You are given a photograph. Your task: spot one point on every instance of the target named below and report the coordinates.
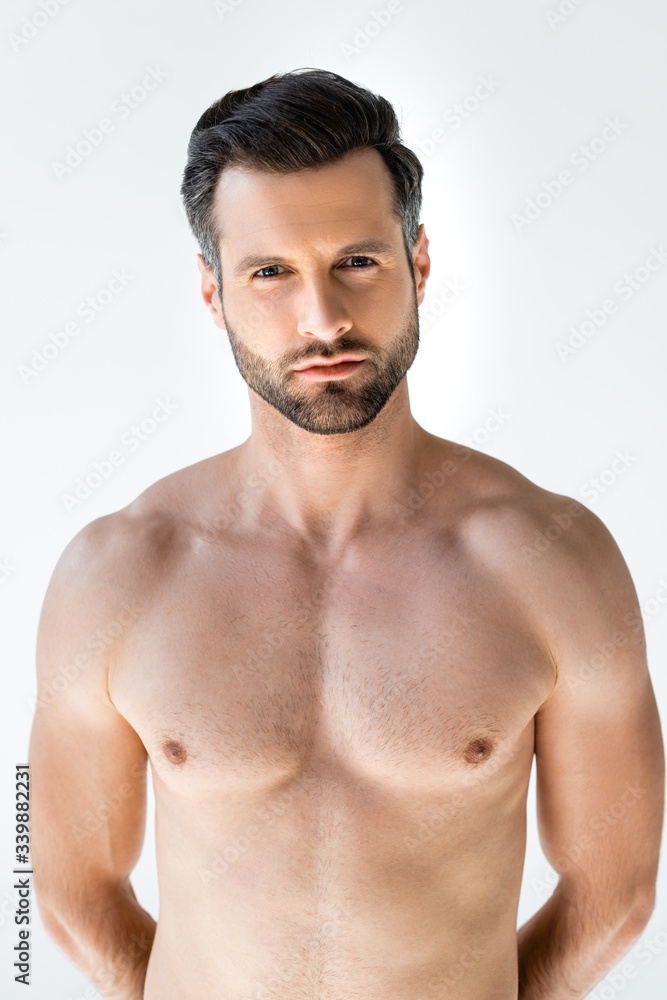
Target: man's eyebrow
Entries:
(358, 248)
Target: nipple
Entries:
(174, 751)
(478, 750)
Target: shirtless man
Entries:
(340, 643)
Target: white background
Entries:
(496, 345)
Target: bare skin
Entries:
(340, 653)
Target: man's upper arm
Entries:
(598, 742)
(88, 765)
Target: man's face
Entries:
(313, 268)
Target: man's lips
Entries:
(324, 369)
(326, 362)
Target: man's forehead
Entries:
(357, 190)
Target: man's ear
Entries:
(421, 263)
(209, 292)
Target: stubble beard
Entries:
(338, 406)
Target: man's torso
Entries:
(341, 747)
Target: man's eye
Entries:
(362, 259)
(269, 267)
(361, 263)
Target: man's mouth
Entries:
(328, 368)
(322, 362)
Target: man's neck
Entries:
(330, 487)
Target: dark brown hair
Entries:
(289, 122)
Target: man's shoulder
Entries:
(554, 556)
(509, 518)
(553, 552)
(128, 548)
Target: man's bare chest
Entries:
(398, 663)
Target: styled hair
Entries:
(289, 122)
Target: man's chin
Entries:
(321, 427)
(327, 415)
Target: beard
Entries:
(335, 406)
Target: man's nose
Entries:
(322, 314)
